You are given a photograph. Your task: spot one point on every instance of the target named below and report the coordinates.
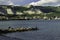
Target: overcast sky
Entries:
(31, 2)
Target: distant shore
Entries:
(18, 17)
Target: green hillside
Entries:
(19, 12)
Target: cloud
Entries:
(16, 2)
(31, 2)
(3, 2)
(23, 2)
(45, 2)
(10, 3)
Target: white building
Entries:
(9, 11)
(33, 12)
(19, 13)
(29, 12)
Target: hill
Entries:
(23, 12)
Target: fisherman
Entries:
(9, 27)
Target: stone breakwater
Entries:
(10, 30)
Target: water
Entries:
(49, 30)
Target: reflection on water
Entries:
(49, 29)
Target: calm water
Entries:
(49, 30)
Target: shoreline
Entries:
(26, 19)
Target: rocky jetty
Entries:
(10, 30)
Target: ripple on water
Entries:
(8, 38)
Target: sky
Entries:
(31, 2)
